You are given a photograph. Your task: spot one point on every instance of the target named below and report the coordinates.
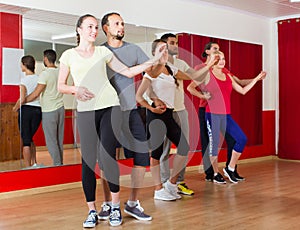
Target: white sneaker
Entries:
(163, 194)
(172, 189)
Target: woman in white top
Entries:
(160, 117)
(98, 110)
(29, 114)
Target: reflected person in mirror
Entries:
(29, 114)
(53, 112)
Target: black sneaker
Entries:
(105, 212)
(209, 178)
(137, 212)
(91, 220)
(219, 179)
(115, 217)
(230, 175)
(238, 177)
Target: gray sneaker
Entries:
(105, 212)
(137, 212)
(163, 194)
(172, 188)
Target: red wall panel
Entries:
(10, 37)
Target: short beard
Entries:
(119, 37)
(173, 53)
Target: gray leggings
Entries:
(98, 141)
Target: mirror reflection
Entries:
(37, 39)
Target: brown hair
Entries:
(29, 62)
(79, 22)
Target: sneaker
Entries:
(163, 194)
(105, 212)
(219, 179)
(238, 177)
(91, 220)
(230, 175)
(115, 217)
(172, 189)
(184, 189)
(209, 178)
(137, 212)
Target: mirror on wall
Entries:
(44, 30)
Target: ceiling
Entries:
(265, 8)
(60, 28)
(51, 26)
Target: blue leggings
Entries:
(223, 123)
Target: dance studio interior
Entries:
(254, 35)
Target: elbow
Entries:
(138, 98)
(189, 89)
(22, 100)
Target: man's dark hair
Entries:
(104, 20)
(50, 55)
(166, 36)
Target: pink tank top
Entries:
(220, 92)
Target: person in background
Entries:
(180, 113)
(209, 48)
(98, 111)
(164, 87)
(53, 112)
(218, 85)
(29, 114)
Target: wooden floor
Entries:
(268, 199)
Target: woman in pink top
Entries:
(219, 84)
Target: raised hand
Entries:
(160, 50)
(164, 58)
(262, 75)
(213, 59)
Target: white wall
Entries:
(176, 15)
